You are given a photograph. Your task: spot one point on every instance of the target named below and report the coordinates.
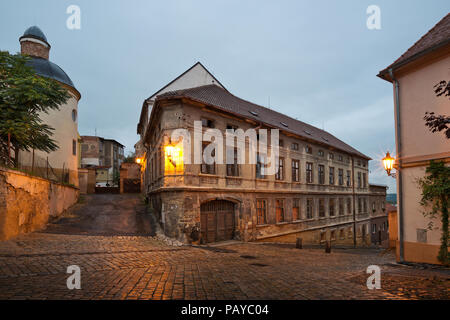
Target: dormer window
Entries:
(207, 123)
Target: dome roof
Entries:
(34, 32)
(46, 68)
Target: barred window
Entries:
(296, 210)
(331, 206)
(309, 208)
(208, 168)
(321, 208)
(321, 174)
(341, 177)
(261, 211)
(331, 175)
(280, 173)
(309, 172)
(279, 210)
(295, 170)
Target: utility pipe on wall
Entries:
(399, 165)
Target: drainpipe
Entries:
(399, 165)
(354, 202)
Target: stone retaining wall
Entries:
(27, 202)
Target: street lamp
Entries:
(388, 163)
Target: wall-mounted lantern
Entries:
(388, 163)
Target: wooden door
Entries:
(217, 221)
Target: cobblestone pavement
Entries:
(139, 267)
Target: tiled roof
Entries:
(438, 35)
(219, 98)
(390, 207)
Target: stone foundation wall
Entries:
(27, 203)
(179, 213)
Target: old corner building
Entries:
(321, 191)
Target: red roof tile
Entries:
(437, 36)
(219, 98)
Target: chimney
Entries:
(34, 43)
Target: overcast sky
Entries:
(313, 60)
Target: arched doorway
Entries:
(217, 220)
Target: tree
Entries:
(436, 192)
(130, 158)
(24, 96)
(438, 123)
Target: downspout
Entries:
(354, 202)
(399, 166)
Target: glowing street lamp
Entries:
(388, 163)
(138, 160)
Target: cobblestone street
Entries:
(117, 264)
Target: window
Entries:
(331, 175)
(296, 210)
(260, 172)
(359, 179)
(331, 206)
(308, 149)
(364, 176)
(321, 208)
(349, 205)
(261, 211)
(309, 208)
(331, 156)
(309, 172)
(333, 234)
(359, 205)
(321, 174)
(341, 177)
(359, 162)
(349, 182)
(365, 205)
(280, 143)
(294, 146)
(208, 168)
(374, 228)
(373, 206)
(279, 210)
(74, 147)
(383, 226)
(340, 158)
(322, 236)
(74, 115)
(295, 170)
(233, 168)
(341, 206)
(342, 234)
(279, 175)
(320, 153)
(231, 127)
(207, 123)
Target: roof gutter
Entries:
(399, 165)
